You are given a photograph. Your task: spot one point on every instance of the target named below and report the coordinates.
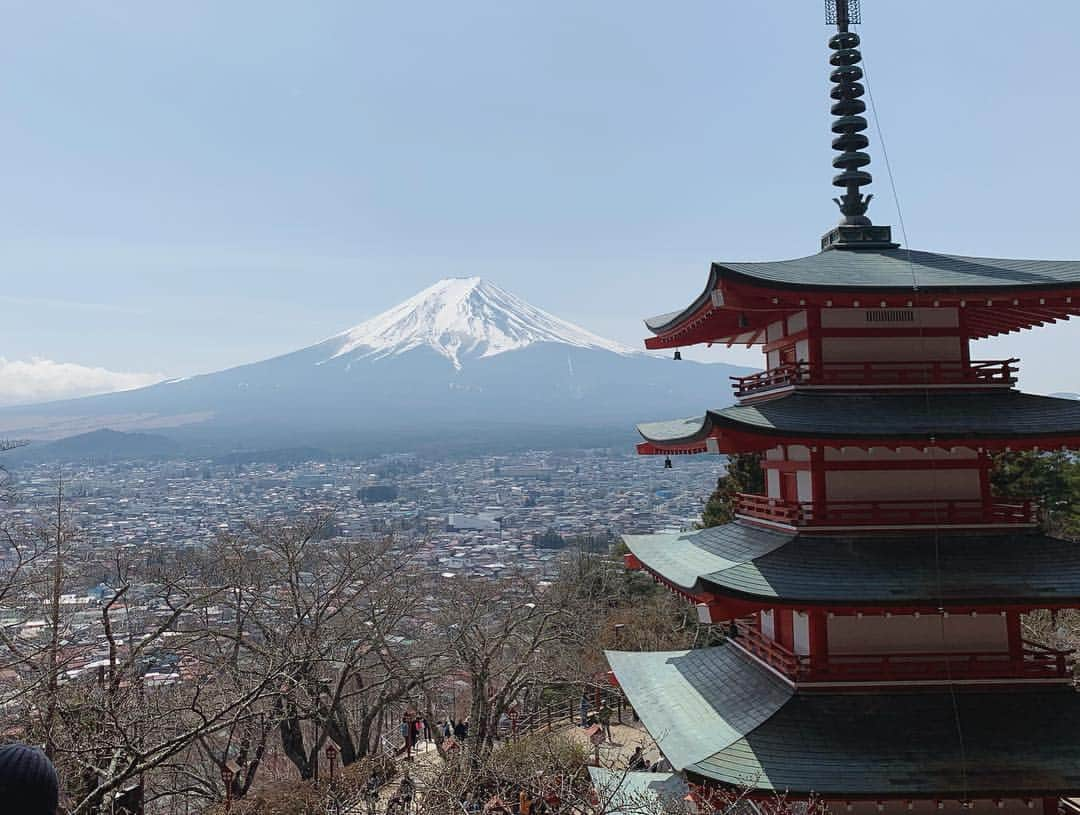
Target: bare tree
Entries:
(117, 691)
(499, 635)
(338, 613)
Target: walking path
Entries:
(625, 738)
(614, 754)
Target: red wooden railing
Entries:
(769, 650)
(1035, 662)
(770, 509)
(890, 512)
(905, 372)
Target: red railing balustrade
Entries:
(902, 511)
(903, 372)
(768, 650)
(1034, 662)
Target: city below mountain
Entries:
(463, 364)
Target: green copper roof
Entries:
(899, 268)
(696, 702)
(683, 558)
(624, 792)
(880, 270)
(892, 745)
(751, 563)
(900, 745)
(952, 415)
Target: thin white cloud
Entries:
(43, 380)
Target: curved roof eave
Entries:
(942, 416)
(908, 746)
(664, 322)
(749, 563)
(879, 271)
(719, 715)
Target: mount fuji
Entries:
(462, 364)
(463, 318)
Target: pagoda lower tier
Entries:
(874, 611)
(748, 568)
(727, 721)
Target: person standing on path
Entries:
(605, 720)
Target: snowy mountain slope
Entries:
(462, 318)
(462, 360)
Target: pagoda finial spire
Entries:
(850, 140)
(848, 107)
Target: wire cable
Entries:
(957, 719)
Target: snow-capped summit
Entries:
(461, 318)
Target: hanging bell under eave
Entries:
(678, 355)
(667, 463)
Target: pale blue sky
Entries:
(187, 186)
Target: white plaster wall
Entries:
(772, 359)
(890, 349)
(802, 350)
(775, 330)
(866, 485)
(801, 631)
(856, 317)
(903, 633)
(768, 627)
(798, 452)
(775, 454)
(772, 483)
(796, 322)
(805, 485)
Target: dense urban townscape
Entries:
(476, 516)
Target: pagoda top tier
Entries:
(996, 295)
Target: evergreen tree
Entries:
(743, 474)
(1052, 479)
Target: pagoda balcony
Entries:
(1034, 662)
(892, 512)
(878, 374)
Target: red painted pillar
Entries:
(817, 476)
(819, 640)
(1016, 639)
(985, 466)
(785, 627)
(965, 341)
(819, 634)
(813, 337)
(1050, 806)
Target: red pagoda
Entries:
(874, 592)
